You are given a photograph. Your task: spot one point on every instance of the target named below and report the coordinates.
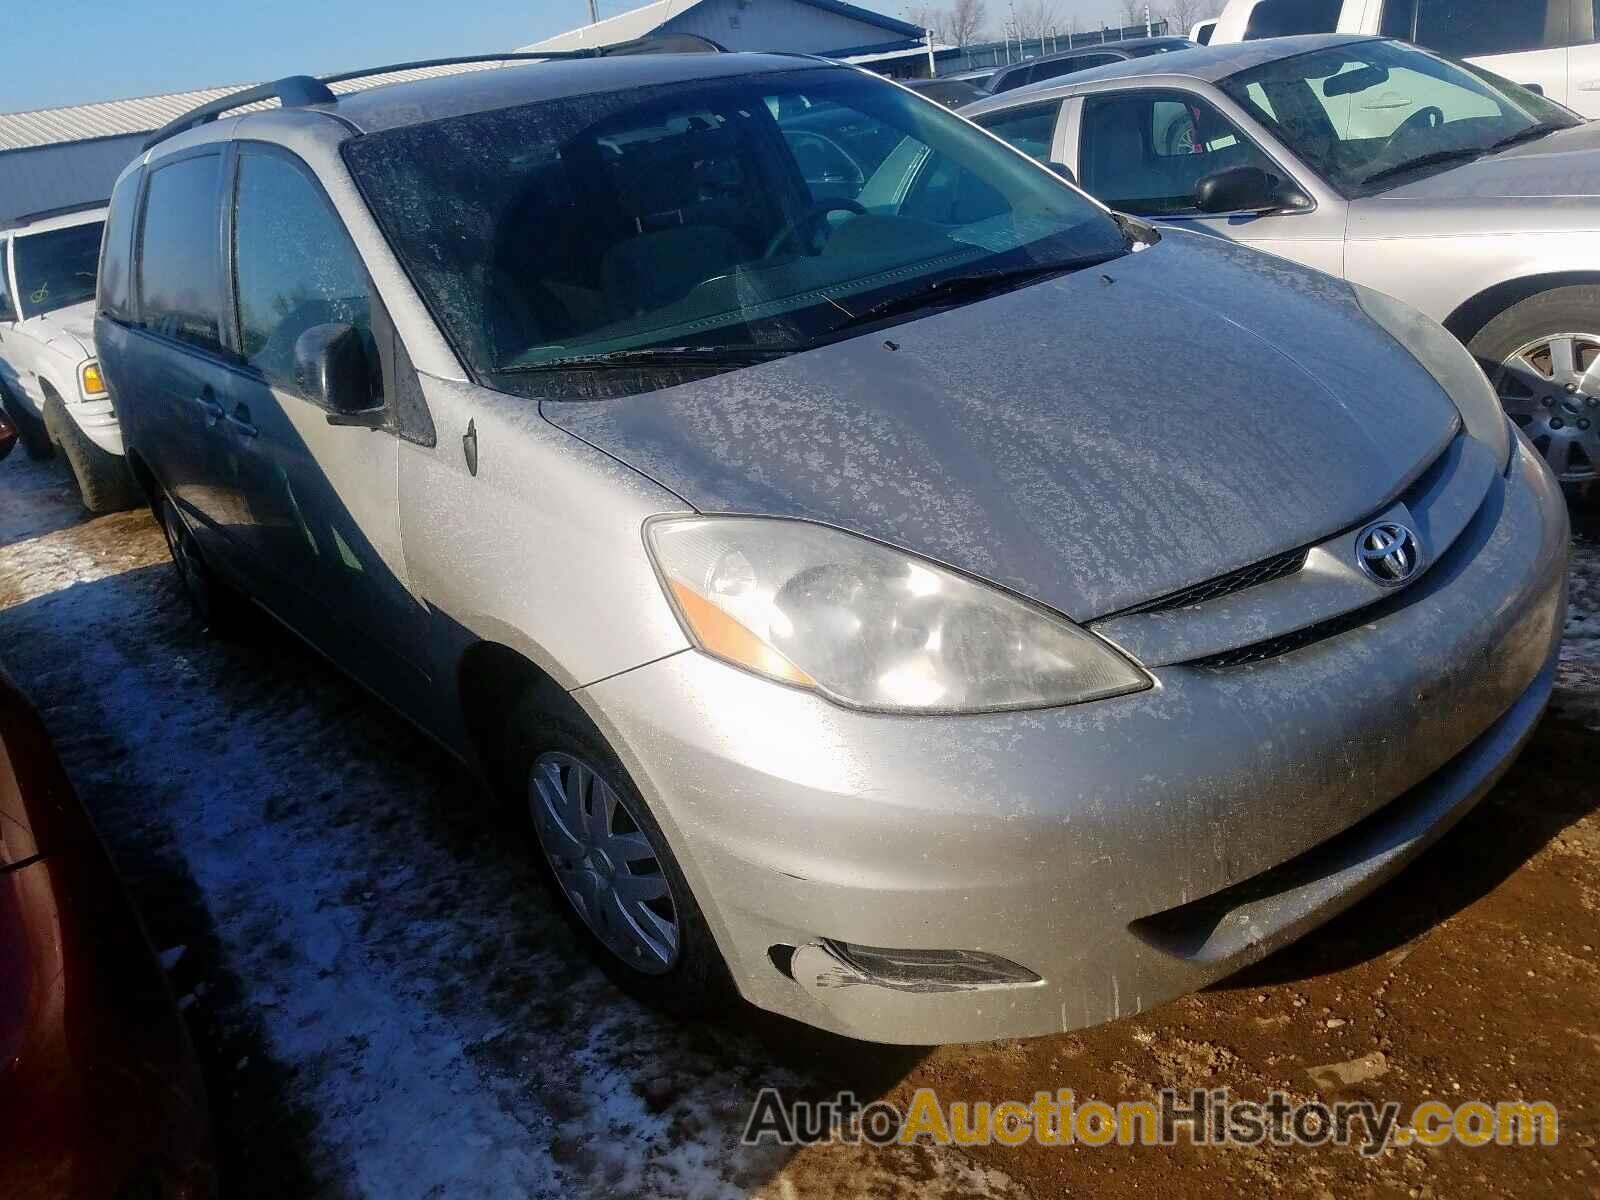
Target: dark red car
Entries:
(8, 434)
(100, 1095)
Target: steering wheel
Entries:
(1430, 117)
(810, 217)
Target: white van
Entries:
(1547, 44)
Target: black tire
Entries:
(697, 985)
(216, 606)
(31, 432)
(1561, 311)
(104, 482)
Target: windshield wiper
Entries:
(953, 289)
(1531, 133)
(657, 356)
(1424, 160)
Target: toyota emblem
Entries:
(1389, 553)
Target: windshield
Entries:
(57, 268)
(747, 217)
(1369, 115)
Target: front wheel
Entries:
(104, 482)
(1543, 358)
(605, 857)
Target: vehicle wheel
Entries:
(30, 430)
(104, 482)
(1543, 357)
(215, 603)
(605, 857)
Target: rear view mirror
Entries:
(1246, 189)
(1063, 170)
(331, 368)
(1348, 83)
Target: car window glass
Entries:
(1286, 18)
(1144, 152)
(114, 291)
(294, 267)
(5, 277)
(754, 215)
(1070, 66)
(56, 268)
(1466, 28)
(180, 260)
(1370, 109)
(1030, 128)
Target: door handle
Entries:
(210, 407)
(240, 420)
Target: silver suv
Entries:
(751, 470)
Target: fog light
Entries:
(930, 970)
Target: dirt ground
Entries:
(387, 1006)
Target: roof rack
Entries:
(301, 91)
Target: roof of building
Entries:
(638, 22)
(116, 118)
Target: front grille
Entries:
(1277, 567)
(1243, 656)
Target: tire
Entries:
(1524, 352)
(216, 606)
(104, 482)
(695, 983)
(30, 430)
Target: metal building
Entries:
(828, 27)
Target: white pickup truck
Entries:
(50, 380)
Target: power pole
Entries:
(594, 11)
(1147, 29)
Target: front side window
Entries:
(180, 254)
(1287, 18)
(115, 291)
(1030, 128)
(724, 221)
(1371, 114)
(1473, 28)
(56, 268)
(1146, 152)
(294, 267)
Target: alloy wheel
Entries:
(186, 558)
(1551, 389)
(606, 866)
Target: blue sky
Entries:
(75, 51)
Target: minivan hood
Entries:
(1562, 165)
(1093, 442)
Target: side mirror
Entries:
(331, 369)
(1063, 170)
(1246, 189)
(8, 436)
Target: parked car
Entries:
(50, 380)
(1547, 45)
(865, 630)
(99, 1092)
(1082, 58)
(8, 435)
(952, 93)
(1470, 198)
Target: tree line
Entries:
(967, 22)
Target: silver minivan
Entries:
(761, 478)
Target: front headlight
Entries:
(1449, 362)
(90, 381)
(869, 626)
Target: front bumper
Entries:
(98, 420)
(1126, 851)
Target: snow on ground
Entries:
(422, 1003)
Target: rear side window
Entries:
(1287, 18)
(115, 292)
(1070, 66)
(180, 259)
(1013, 79)
(295, 267)
(1030, 128)
(1473, 28)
